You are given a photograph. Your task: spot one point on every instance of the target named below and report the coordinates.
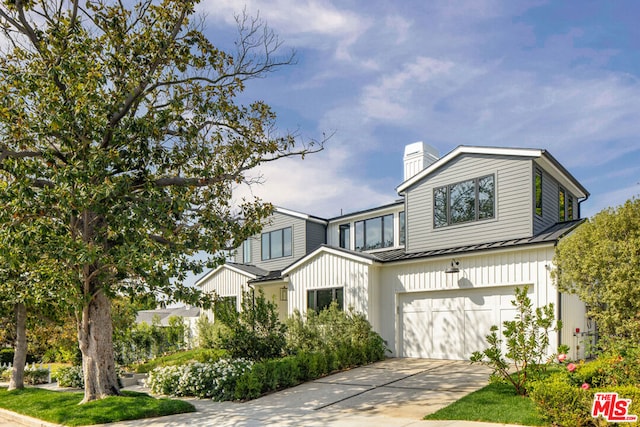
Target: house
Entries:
(435, 269)
(189, 316)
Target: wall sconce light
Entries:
(283, 293)
(453, 268)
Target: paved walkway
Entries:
(392, 393)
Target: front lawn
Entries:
(494, 403)
(62, 407)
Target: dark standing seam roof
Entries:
(550, 235)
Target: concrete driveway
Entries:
(394, 392)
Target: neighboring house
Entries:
(189, 317)
(436, 269)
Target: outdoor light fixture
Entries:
(453, 268)
(283, 293)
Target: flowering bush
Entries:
(205, 380)
(71, 376)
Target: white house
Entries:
(434, 270)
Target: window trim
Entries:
(447, 192)
(283, 240)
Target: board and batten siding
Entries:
(326, 270)
(529, 265)
(513, 207)
(225, 283)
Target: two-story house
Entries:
(436, 269)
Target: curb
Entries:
(24, 420)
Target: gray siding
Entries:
(316, 235)
(513, 214)
(550, 203)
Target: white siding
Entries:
(333, 230)
(226, 282)
(331, 271)
(513, 207)
(487, 270)
(574, 316)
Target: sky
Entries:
(377, 75)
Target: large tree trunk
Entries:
(20, 355)
(96, 345)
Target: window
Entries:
(319, 299)
(465, 201)
(402, 228)
(374, 233)
(246, 252)
(538, 184)
(276, 244)
(345, 236)
(562, 211)
(570, 208)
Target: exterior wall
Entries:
(550, 202)
(316, 235)
(225, 283)
(331, 271)
(272, 293)
(513, 208)
(487, 270)
(574, 316)
(298, 245)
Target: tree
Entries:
(600, 262)
(122, 126)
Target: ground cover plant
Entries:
(63, 407)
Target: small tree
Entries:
(600, 263)
(255, 332)
(526, 339)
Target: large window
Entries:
(465, 201)
(319, 299)
(374, 233)
(276, 244)
(345, 236)
(402, 228)
(538, 184)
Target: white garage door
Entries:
(451, 324)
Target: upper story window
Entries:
(402, 228)
(471, 200)
(538, 185)
(562, 205)
(374, 233)
(345, 236)
(570, 208)
(276, 244)
(246, 251)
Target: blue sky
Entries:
(563, 76)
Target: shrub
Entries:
(34, 375)
(527, 340)
(255, 332)
(201, 355)
(205, 380)
(6, 356)
(565, 398)
(71, 376)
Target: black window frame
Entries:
(270, 255)
(386, 225)
(562, 204)
(444, 219)
(337, 294)
(344, 236)
(537, 188)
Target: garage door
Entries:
(451, 324)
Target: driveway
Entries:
(394, 392)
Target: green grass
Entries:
(203, 355)
(494, 403)
(63, 407)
